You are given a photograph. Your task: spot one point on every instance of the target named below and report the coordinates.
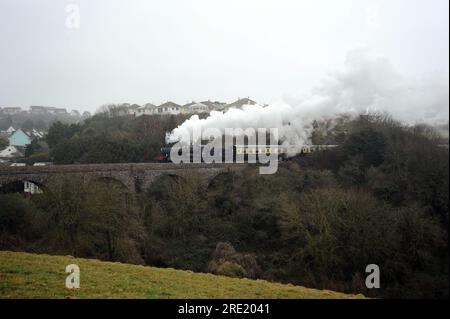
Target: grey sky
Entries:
(142, 51)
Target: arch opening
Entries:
(165, 184)
(27, 187)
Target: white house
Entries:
(169, 108)
(10, 152)
(215, 106)
(239, 104)
(195, 107)
(58, 110)
(30, 187)
(10, 130)
(147, 109)
(12, 110)
(133, 109)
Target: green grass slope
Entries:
(24, 275)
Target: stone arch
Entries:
(122, 178)
(148, 178)
(17, 185)
(164, 179)
(137, 177)
(113, 181)
(124, 191)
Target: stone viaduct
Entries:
(135, 177)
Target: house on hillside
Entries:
(11, 152)
(133, 109)
(59, 111)
(19, 138)
(239, 104)
(169, 108)
(147, 109)
(194, 107)
(11, 110)
(214, 106)
(7, 133)
(37, 109)
(10, 130)
(23, 138)
(31, 188)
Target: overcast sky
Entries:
(141, 51)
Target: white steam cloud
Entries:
(366, 83)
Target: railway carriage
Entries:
(246, 152)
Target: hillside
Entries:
(24, 275)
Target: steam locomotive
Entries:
(245, 152)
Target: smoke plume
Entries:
(366, 83)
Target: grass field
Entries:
(24, 275)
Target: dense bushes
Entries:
(75, 216)
(105, 139)
(338, 232)
(15, 221)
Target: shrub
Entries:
(231, 270)
(226, 261)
